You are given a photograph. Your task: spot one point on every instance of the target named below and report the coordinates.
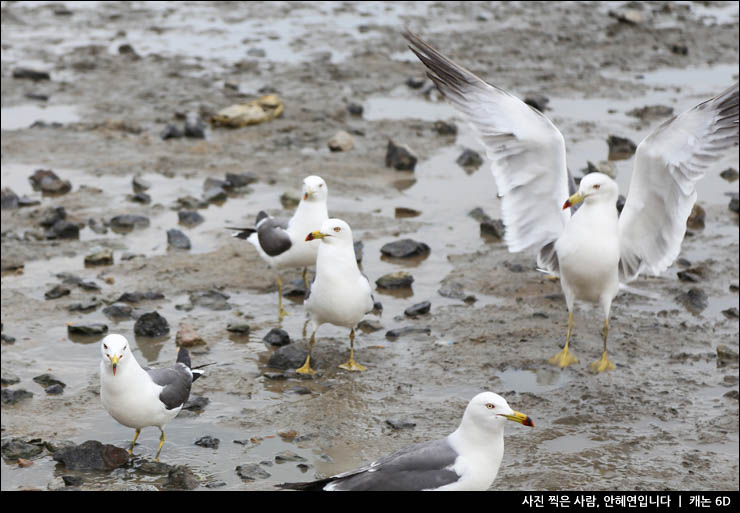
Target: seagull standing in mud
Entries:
(281, 242)
(340, 293)
(595, 248)
(137, 396)
(467, 459)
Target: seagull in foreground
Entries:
(340, 293)
(281, 242)
(467, 459)
(595, 249)
(139, 397)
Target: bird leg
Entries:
(161, 443)
(603, 363)
(351, 364)
(281, 312)
(306, 367)
(305, 277)
(131, 449)
(565, 357)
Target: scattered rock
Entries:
(187, 337)
(241, 179)
(189, 203)
(289, 357)
(139, 184)
(127, 222)
(97, 226)
(15, 396)
(251, 472)
(455, 290)
(355, 109)
(56, 292)
(181, 478)
(208, 441)
(341, 141)
(400, 158)
(154, 468)
(418, 309)
(215, 195)
(370, 326)
(48, 182)
(212, 299)
(89, 285)
(8, 199)
(537, 101)
(289, 200)
(294, 288)
(689, 275)
(9, 379)
(401, 212)
(408, 330)
(628, 16)
(728, 174)
(118, 311)
(87, 329)
(263, 109)
(404, 248)
(620, 148)
(651, 112)
(195, 127)
(726, 354)
(397, 280)
(7, 339)
(176, 239)
(284, 456)
(135, 297)
(469, 160)
(514, 267)
(101, 257)
(695, 300)
(241, 329)
(151, 325)
(140, 197)
(415, 82)
(63, 230)
(732, 313)
(696, 218)
(48, 380)
(54, 389)
(52, 215)
(92, 455)
(400, 424)
(277, 338)
(16, 448)
(445, 127)
(603, 166)
(494, 228)
(734, 202)
(31, 74)
(196, 403)
(72, 481)
(679, 49)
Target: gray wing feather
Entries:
(176, 382)
(273, 238)
(418, 467)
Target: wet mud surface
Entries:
(666, 418)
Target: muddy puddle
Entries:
(670, 403)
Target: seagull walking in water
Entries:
(594, 249)
(281, 242)
(467, 459)
(340, 294)
(137, 396)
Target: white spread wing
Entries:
(668, 163)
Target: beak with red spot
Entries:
(114, 363)
(520, 418)
(574, 200)
(316, 235)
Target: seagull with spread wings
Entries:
(595, 248)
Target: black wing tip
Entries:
(241, 233)
(310, 486)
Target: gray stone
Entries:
(355, 109)
(731, 313)
(87, 329)
(8, 199)
(288, 357)
(181, 477)
(140, 197)
(418, 309)
(118, 311)
(151, 324)
(72, 481)
(400, 424)
(284, 456)
(537, 101)
(101, 257)
(189, 218)
(215, 195)
(63, 230)
(139, 184)
(47, 380)
(211, 299)
(729, 174)
(358, 246)
(54, 389)
(195, 127)
(277, 337)
(135, 297)
(469, 160)
(208, 441)
(400, 158)
(51, 215)
(620, 148)
(695, 300)
(171, 131)
(696, 218)
(15, 396)
(341, 141)
(176, 239)
(92, 455)
(9, 379)
(241, 329)
(397, 280)
(734, 204)
(445, 127)
(294, 288)
(56, 292)
(48, 182)
(241, 179)
(651, 112)
(370, 326)
(196, 403)
(31, 74)
(602, 166)
(726, 354)
(251, 472)
(454, 290)
(15, 448)
(405, 248)
(416, 82)
(408, 330)
(127, 222)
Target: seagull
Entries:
(340, 293)
(280, 242)
(139, 397)
(595, 248)
(467, 459)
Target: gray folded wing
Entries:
(273, 238)
(176, 382)
(662, 192)
(418, 467)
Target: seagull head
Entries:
(489, 411)
(594, 187)
(115, 351)
(314, 189)
(333, 231)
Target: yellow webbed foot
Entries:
(282, 312)
(306, 368)
(602, 364)
(352, 365)
(563, 358)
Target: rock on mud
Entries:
(369, 326)
(151, 325)
(602, 166)
(212, 299)
(100, 257)
(277, 338)
(400, 424)
(538, 101)
(445, 128)
(189, 218)
(469, 160)
(48, 380)
(408, 330)
(187, 337)
(289, 357)
(729, 174)
(31, 74)
(241, 329)
(176, 239)
(118, 311)
(651, 112)
(127, 222)
(400, 158)
(405, 248)
(15, 396)
(171, 131)
(397, 280)
(251, 472)
(16, 448)
(135, 297)
(208, 441)
(620, 148)
(696, 218)
(181, 478)
(92, 455)
(8, 199)
(341, 141)
(196, 403)
(47, 181)
(695, 300)
(87, 329)
(418, 309)
(56, 292)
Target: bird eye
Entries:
(490, 406)
(597, 186)
(337, 229)
(321, 185)
(105, 347)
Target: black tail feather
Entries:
(242, 233)
(311, 486)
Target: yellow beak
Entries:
(520, 418)
(308, 194)
(114, 363)
(574, 200)
(316, 235)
